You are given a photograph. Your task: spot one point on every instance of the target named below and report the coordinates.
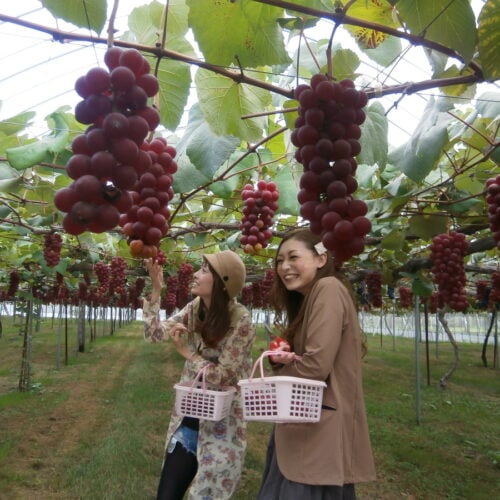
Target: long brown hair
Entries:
(289, 304)
(214, 322)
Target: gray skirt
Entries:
(275, 486)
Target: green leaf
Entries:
(206, 151)
(15, 124)
(427, 226)
(287, 186)
(421, 288)
(374, 146)
(195, 240)
(344, 64)
(246, 33)
(418, 156)
(30, 154)
(394, 240)
(386, 53)
(488, 105)
(451, 24)
(146, 22)
(90, 14)
(489, 39)
(188, 177)
(224, 102)
(174, 78)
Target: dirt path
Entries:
(49, 438)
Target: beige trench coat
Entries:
(221, 445)
(337, 449)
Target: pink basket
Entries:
(197, 399)
(280, 399)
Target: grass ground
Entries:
(94, 429)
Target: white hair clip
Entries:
(320, 248)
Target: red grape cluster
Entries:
(405, 297)
(374, 288)
(170, 302)
(106, 159)
(103, 275)
(493, 201)
(184, 277)
(14, 280)
(447, 254)
(494, 298)
(260, 204)
(326, 134)
(145, 222)
(52, 244)
(482, 293)
(118, 275)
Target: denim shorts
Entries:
(187, 437)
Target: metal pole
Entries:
(417, 357)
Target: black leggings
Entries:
(178, 471)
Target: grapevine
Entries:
(326, 134)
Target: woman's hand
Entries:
(155, 272)
(177, 334)
(282, 349)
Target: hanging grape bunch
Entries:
(52, 244)
(374, 288)
(494, 297)
(259, 206)
(145, 223)
(447, 254)
(326, 134)
(184, 278)
(107, 158)
(405, 297)
(493, 201)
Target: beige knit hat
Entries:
(230, 269)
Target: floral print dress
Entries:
(221, 445)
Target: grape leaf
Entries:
(15, 124)
(28, 155)
(374, 145)
(451, 24)
(427, 226)
(489, 39)
(223, 103)
(206, 151)
(246, 33)
(287, 186)
(90, 14)
(418, 156)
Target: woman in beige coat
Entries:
(322, 460)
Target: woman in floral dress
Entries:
(203, 456)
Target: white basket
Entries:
(196, 399)
(280, 399)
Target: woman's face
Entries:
(202, 283)
(296, 265)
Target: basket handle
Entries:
(260, 360)
(201, 376)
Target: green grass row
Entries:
(445, 447)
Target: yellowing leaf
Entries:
(376, 11)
